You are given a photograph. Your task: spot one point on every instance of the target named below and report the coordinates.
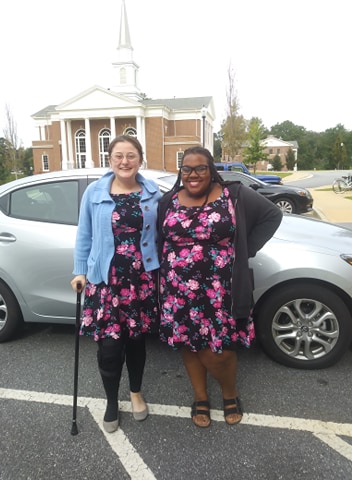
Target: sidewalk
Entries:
(327, 205)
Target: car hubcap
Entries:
(305, 329)
(3, 313)
(286, 207)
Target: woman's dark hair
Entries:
(124, 139)
(215, 175)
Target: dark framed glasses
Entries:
(199, 169)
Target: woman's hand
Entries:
(78, 283)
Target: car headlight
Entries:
(304, 193)
(347, 258)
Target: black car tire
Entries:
(285, 205)
(291, 339)
(11, 319)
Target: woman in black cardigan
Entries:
(208, 229)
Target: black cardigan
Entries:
(257, 219)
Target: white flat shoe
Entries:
(140, 416)
(111, 427)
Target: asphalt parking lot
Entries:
(297, 423)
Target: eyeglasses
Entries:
(130, 157)
(199, 169)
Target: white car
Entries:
(303, 287)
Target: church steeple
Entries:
(126, 70)
(125, 39)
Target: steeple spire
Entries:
(126, 70)
(125, 39)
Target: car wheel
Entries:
(11, 319)
(286, 205)
(304, 326)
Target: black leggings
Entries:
(112, 355)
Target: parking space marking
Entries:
(327, 432)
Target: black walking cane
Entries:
(74, 429)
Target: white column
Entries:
(140, 126)
(89, 160)
(112, 127)
(63, 145)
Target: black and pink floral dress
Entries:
(129, 303)
(195, 274)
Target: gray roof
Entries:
(45, 111)
(189, 103)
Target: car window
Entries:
(54, 202)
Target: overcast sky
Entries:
(292, 59)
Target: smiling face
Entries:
(125, 160)
(195, 174)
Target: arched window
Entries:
(123, 76)
(104, 140)
(81, 150)
(130, 131)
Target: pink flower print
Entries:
(220, 261)
(181, 329)
(179, 304)
(87, 318)
(91, 289)
(204, 330)
(197, 253)
(100, 314)
(122, 249)
(214, 217)
(171, 274)
(115, 216)
(167, 318)
(186, 223)
(171, 257)
(193, 284)
(115, 301)
(234, 337)
(195, 315)
(211, 293)
(217, 304)
(184, 253)
(171, 220)
(137, 264)
(169, 302)
(132, 323)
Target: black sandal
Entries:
(236, 408)
(200, 411)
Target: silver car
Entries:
(303, 287)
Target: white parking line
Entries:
(328, 432)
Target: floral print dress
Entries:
(195, 276)
(128, 304)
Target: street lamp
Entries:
(204, 113)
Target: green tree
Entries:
(255, 151)
(277, 165)
(5, 167)
(217, 146)
(339, 151)
(27, 162)
(12, 140)
(233, 128)
(288, 131)
(290, 159)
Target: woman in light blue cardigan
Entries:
(115, 260)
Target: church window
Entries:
(123, 76)
(81, 149)
(104, 140)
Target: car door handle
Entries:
(7, 237)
